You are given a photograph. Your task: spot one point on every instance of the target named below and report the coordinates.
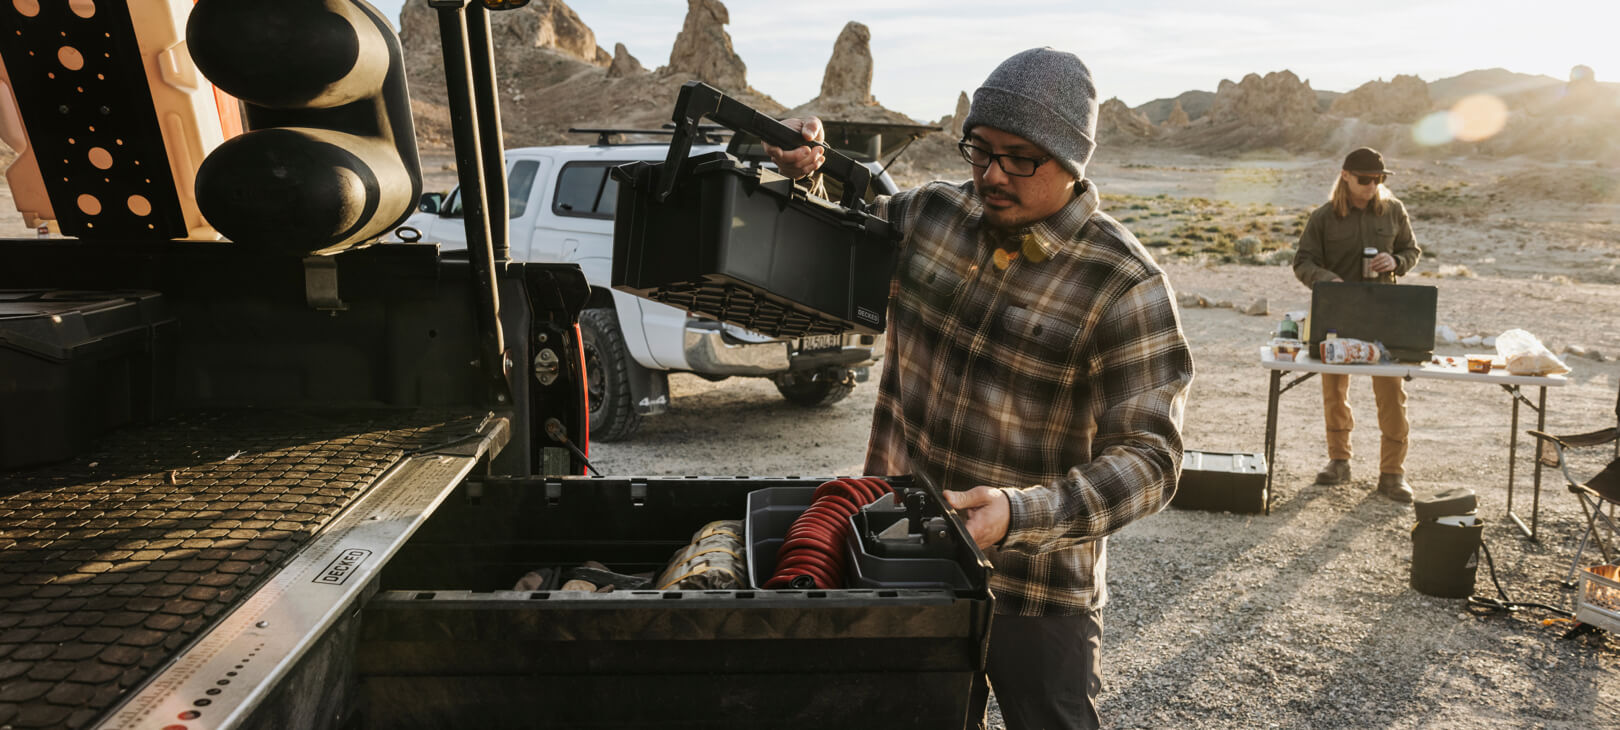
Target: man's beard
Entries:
(1007, 194)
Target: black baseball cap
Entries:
(1367, 161)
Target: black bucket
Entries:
(1445, 556)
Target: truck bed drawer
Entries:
(446, 641)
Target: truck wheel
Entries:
(816, 388)
(607, 376)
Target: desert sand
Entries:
(1304, 617)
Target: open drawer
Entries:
(447, 642)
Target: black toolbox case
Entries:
(446, 643)
(742, 244)
(75, 364)
(1222, 481)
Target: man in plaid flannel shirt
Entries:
(1036, 367)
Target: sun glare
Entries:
(1472, 119)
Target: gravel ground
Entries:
(1303, 618)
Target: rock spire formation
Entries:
(1117, 122)
(849, 71)
(846, 85)
(703, 48)
(963, 106)
(623, 63)
(1178, 117)
(1403, 99)
(1278, 98)
(549, 24)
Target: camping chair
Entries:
(1597, 493)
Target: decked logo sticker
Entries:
(866, 315)
(344, 565)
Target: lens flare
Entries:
(1433, 129)
(1471, 119)
(1478, 117)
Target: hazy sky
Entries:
(926, 51)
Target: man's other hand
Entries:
(986, 512)
(800, 161)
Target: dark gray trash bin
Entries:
(1445, 547)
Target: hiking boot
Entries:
(1395, 487)
(1337, 471)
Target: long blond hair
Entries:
(1341, 197)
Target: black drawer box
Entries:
(75, 364)
(741, 245)
(1220, 481)
(447, 643)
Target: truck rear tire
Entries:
(816, 388)
(607, 376)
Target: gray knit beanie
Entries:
(1046, 97)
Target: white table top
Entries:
(1459, 371)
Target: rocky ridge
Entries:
(555, 76)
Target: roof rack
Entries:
(711, 133)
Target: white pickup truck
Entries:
(561, 203)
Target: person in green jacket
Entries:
(1362, 214)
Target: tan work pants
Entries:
(1390, 392)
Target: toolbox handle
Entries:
(698, 100)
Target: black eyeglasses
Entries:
(1369, 179)
(1015, 165)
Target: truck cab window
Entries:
(518, 185)
(586, 190)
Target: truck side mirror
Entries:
(430, 202)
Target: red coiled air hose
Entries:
(812, 556)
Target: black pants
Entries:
(1045, 671)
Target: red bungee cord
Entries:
(812, 556)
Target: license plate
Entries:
(817, 343)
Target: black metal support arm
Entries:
(460, 90)
(481, 51)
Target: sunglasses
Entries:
(1369, 179)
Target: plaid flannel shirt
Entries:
(1060, 378)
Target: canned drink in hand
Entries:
(1367, 256)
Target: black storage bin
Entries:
(447, 643)
(741, 244)
(75, 364)
(1221, 482)
(1445, 556)
(772, 511)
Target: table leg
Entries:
(1541, 425)
(1513, 459)
(1513, 443)
(1271, 431)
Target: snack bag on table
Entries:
(1344, 351)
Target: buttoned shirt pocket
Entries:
(1383, 233)
(1049, 337)
(933, 280)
